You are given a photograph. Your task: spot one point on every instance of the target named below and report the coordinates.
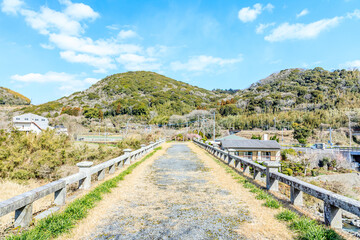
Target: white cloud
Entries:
(48, 20)
(65, 30)
(124, 34)
(135, 62)
(248, 14)
(261, 27)
(354, 14)
(301, 31)
(67, 82)
(80, 11)
(101, 63)
(302, 13)
(101, 47)
(351, 64)
(11, 6)
(203, 63)
(44, 78)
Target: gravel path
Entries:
(174, 198)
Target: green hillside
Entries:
(305, 96)
(135, 93)
(10, 97)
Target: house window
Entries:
(36, 119)
(248, 155)
(17, 118)
(26, 119)
(236, 153)
(266, 156)
(43, 120)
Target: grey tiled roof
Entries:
(250, 144)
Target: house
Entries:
(30, 123)
(253, 149)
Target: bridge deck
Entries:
(178, 194)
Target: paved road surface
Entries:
(175, 199)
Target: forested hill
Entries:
(10, 97)
(135, 93)
(300, 89)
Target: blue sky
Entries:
(56, 47)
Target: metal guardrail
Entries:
(333, 203)
(22, 204)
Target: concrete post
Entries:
(60, 197)
(246, 169)
(332, 215)
(296, 196)
(112, 169)
(101, 175)
(23, 216)
(231, 161)
(271, 183)
(143, 146)
(257, 175)
(127, 152)
(85, 168)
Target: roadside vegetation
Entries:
(304, 227)
(60, 223)
(31, 156)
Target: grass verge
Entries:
(59, 223)
(305, 228)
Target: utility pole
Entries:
(275, 123)
(214, 127)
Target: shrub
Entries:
(289, 172)
(272, 203)
(286, 215)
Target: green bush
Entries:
(286, 215)
(289, 171)
(272, 203)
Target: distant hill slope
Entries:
(136, 93)
(300, 89)
(10, 97)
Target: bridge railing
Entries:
(22, 204)
(333, 203)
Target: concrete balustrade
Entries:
(333, 203)
(272, 183)
(22, 204)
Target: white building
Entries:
(30, 123)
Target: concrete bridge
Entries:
(181, 193)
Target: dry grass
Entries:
(9, 189)
(96, 215)
(264, 225)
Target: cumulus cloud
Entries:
(203, 63)
(248, 14)
(261, 27)
(79, 11)
(288, 31)
(302, 13)
(68, 82)
(124, 34)
(135, 62)
(11, 6)
(66, 29)
(351, 64)
(101, 63)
